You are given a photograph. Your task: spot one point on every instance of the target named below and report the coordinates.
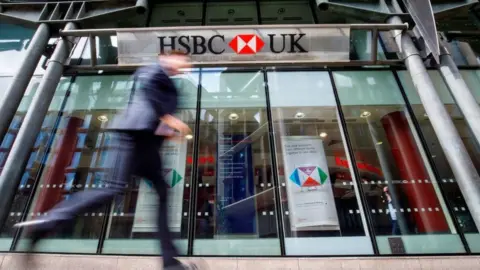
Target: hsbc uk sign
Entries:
(240, 44)
(225, 45)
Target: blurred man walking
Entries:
(138, 133)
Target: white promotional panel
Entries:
(310, 196)
(174, 156)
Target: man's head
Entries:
(174, 61)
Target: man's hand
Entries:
(176, 124)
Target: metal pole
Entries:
(31, 126)
(14, 94)
(461, 93)
(452, 145)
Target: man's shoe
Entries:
(183, 266)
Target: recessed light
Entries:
(323, 134)
(365, 114)
(189, 136)
(299, 115)
(233, 116)
(102, 118)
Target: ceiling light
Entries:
(233, 116)
(189, 136)
(102, 118)
(365, 114)
(299, 115)
(323, 134)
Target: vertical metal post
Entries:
(32, 124)
(460, 92)
(455, 151)
(14, 95)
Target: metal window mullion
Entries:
(356, 179)
(194, 179)
(204, 12)
(274, 167)
(259, 12)
(313, 8)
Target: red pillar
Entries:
(55, 174)
(411, 167)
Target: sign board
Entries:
(237, 44)
(396, 245)
(310, 195)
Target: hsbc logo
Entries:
(243, 44)
(246, 44)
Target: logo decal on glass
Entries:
(246, 44)
(171, 176)
(308, 176)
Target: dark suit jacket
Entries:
(155, 96)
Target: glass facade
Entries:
(283, 161)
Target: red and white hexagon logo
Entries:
(246, 44)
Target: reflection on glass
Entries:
(452, 192)
(232, 13)
(236, 213)
(107, 50)
(132, 225)
(402, 192)
(464, 53)
(76, 157)
(35, 161)
(318, 195)
(4, 84)
(177, 14)
(14, 42)
(361, 46)
(286, 12)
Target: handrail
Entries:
(113, 31)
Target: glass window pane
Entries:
(132, 226)
(452, 192)
(402, 192)
(107, 50)
(236, 212)
(35, 162)
(465, 53)
(68, 167)
(178, 14)
(286, 12)
(14, 41)
(361, 46)
(320, 204)
(231, 13)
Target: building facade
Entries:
(338, 154)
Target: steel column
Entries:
(461, 93)
(31, 126)
(14, 95)
(448, 136)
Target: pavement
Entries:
(11, 261)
